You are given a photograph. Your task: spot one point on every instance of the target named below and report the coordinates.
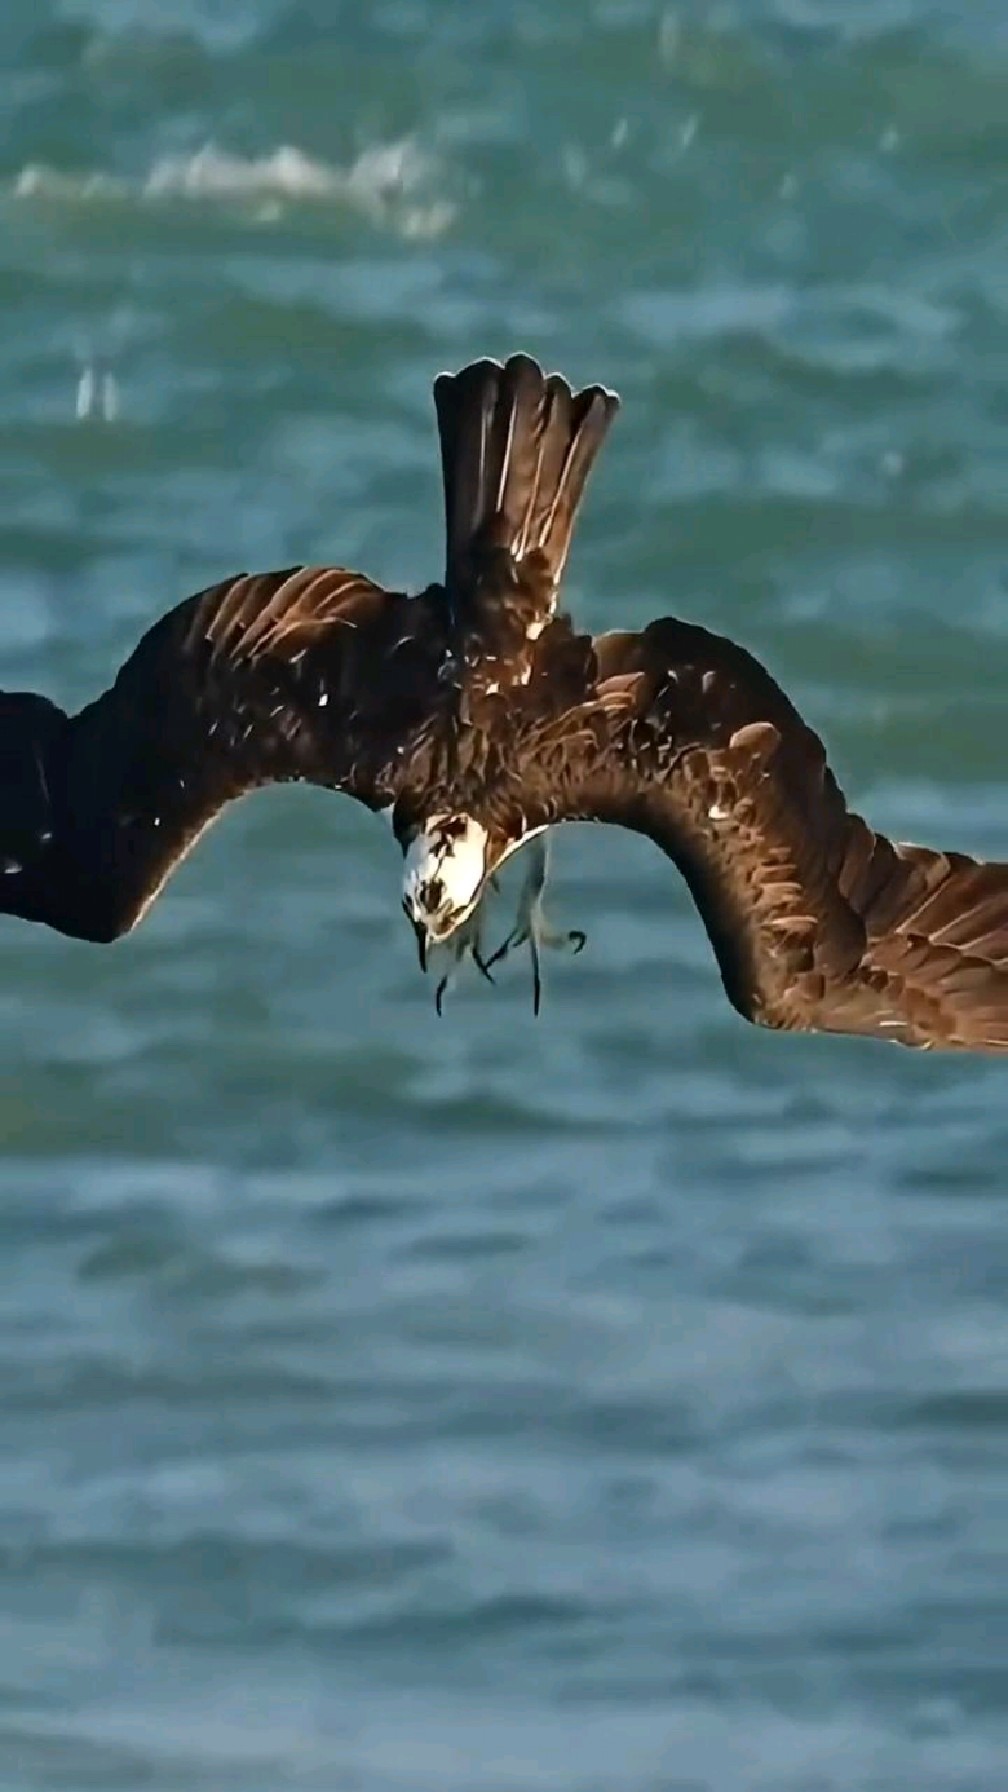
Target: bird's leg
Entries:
(475, 940)
(530, 922)
(439, 994)
(458, 950)
(467, 939)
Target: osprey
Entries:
(477, 717)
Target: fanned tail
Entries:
(516, 450)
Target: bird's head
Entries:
(446, 866)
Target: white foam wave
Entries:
(391, 183)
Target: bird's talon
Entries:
(513, 939)
(578, 940)
(483, 964)
(439, 995)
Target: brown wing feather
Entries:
(311, 674)
(818, 923)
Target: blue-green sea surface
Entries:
(609, 1403)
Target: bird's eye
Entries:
(433, 893)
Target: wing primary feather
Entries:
(262, 679)
(818, 923)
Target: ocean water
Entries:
(614, 1402)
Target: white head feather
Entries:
(444, 870)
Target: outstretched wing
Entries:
(516, 450)
(818, 922)
(311, 674)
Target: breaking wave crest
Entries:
(391, 184)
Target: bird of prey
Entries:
(476, 717)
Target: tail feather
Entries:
(516, 450)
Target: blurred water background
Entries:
(613, 1403)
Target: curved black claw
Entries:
(577, 939)
(502, 951)
(439, 994)
(483, 964)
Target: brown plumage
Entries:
(313, 674)
(476, 700)
(818, 923)
(516, 451)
